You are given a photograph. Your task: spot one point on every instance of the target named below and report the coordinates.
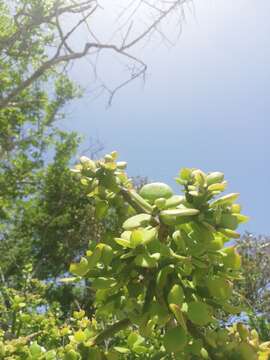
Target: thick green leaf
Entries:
(154, 191)
(199, 313)
(101, 209)
(219, 288)
(136, 238)
(214, 177)
(137, 221)
(225, 200)
(80, 336)
(123, 242)
(103, 283)
(229, 221)
(175, 339)
(145, 260)
(80, 268)
(107, 254)
(176, 295)
(179, 212)
(94, 257)
(185, 174)
(174, 201)
(231, 260)
(122, 350)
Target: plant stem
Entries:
(195, 332)
(125, 194)
(110, 331)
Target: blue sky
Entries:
(205, 104)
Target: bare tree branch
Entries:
(64, 51)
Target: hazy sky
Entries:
(205, 104)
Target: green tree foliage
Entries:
(261, 324)
(158, 283)
(255, 252)
(53, 224)
(29, 137)
(255, 281)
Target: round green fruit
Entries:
(154, 191)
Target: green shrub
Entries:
(159, 284)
